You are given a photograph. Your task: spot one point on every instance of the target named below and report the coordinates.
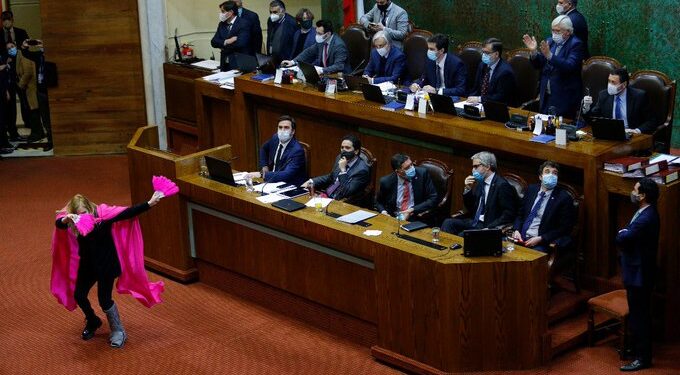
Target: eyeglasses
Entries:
(475, 166)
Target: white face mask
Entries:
(383, 51)
(557, 38)
(613, 89)
(284, 135)
(320, 38)
(223, 17)
(559, 8)
(275, 17)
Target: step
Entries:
(565, 304)
(571, 332)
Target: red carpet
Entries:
(197, 330)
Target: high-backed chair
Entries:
(561, 258)
(415, 48)
(442, 177)
(471, 54)
(359, 45)
(365, 197)
(661, 94)
(308, 157)
(595, 72)
(527, 78)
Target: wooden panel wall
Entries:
(100, 99)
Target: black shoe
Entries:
(32, 139)
(91, 327)
(7, 150)
(636, 365)
(17, 138)
(48, 147)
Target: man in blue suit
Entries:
(444, 73)
(547, 213)
(232, 35)
(568, 8)
(281, 28)
(495, 78)
(387, 62)
(560, 59)
(255, 28)
(282, 157)
(304, 36)
(639, 242)
(329, 55)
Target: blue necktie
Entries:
(532, 214)
(480, 208)
(617, 110)
(437, 81)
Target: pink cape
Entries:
(127, 237)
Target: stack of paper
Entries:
(324, 202)
(269, 188)
(207, 64)
(223, 78)
(271, 198)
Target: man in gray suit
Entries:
(329, 55)
(390, 18)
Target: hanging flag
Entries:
(349, 10)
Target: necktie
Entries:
(9, 36)
(532, 214)
(277, 158)
(228, 28)
(325, 55)
(406, 197)
(481, 207)
(617, 111)
(438, 80)
(637, 213)
(485, 82)
(383, 18)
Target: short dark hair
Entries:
(496, 45)
(277, 3)
(573, 2)
(650, 189)
(398, 159)
(287, 118)
(301, 13)
(622, 73)
(548, 163)
(229, 6)
(7, 15)
(356, 143)
(441, 41)
(327, 25)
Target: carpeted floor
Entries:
(197, 330)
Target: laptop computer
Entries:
(354, 83)
(309, 71)
(482, 242)
(265, 64)
(374, 93)
(608, 128)
(220, 170)
(496, 111)
(471, 112)
(244, 63)
(443, 104)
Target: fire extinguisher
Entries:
(187, 51)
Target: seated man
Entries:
(408, 191)
(444, 73)
(387, 62)
(487, 196)
(495, 78)
(350, 174)
(329, 55)
(619, 101)
(282, 158)
(547, 212)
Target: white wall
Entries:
(196, 21)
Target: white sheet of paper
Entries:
(279, 76)
(207, 64)
(660, 157)
(240, 176)
(269, 187)
(538, 127)
(422, 106)
(372, 232)
(461, 105)
(561, 137)
(217, 77)
(386, 86)
(271, 198)
(331, 87)
(410, 102)
(324, 202)
(356, 216)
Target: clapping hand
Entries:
(545, 49)
(530, 42)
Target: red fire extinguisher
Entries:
(187, 51)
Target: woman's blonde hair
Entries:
(79, 201)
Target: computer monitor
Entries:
(373, 93)
(443, 104)
(482, 242)
(220, 170)
(496, 111)
(607, 128)
(309, 71)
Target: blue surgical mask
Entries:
(486, 58)
(12, 51)
(432, 55)
(410, 173)
(478, 176)
(549, 181)
(557, 38)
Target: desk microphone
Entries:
(262, 193)
(358, 67)
(326, 208)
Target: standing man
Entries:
(388, 17)
(639, 242)
(329, 55)
(5, 146)
(232, 35)
(281, 29)
(9, 113)
(444, 74)
(495, 78)
(255, 28)
(387, 62)
(568, 8)
(11, 33)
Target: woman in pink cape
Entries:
(112, 248)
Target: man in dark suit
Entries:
(387, 62)
(495, 78)
(232, 35)
(329, 55)
(568, 7)
(350, 174)
(281, 28)
(304, 36)
(560, 59)
(282, 157)
(255, 28)
(444, 73)
(547, 212)
(619, 101)
(5, 146)
(409, 190)
(11, 33)
(639, 242)
(490, 199)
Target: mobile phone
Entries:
(456, 246)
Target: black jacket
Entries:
(502, 85)
(501, 202)
(558, 217)
(637, 109)
(351, 183)
(424, 193)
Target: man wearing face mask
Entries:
(408, 191)
(388, 17)
(639, 242)
(329, 55)
(560, 59)
(5, 146)
(281, 29)
(444, 73)
(255, 28)
(232, 35)
(546, 214)
(568, 8)
(387, 62)
(282, 158)
(9, 112)
(350, 174)
(495, 78)
(11, 33)
(487, 196)
(621, 102)
(305, 35)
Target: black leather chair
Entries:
(595, 72)
(359, 46)
(442, 177)
(415, 49)
(365, 197)
(308, 157)
(471, 54)
(562, 259)
(527, 78)
(661, 93)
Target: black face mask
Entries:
(384, 7)
(306, 24)
(347, 155)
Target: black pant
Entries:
(457, 226)
(84, 283)
(9, 113)
(44, 106)
(640, 321)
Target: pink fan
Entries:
(164, 185)
(85, 224)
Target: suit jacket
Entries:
(255, 29)
(354, 181)
(19, 36)
(310, 40)
(455, 74)
(424, 193)
(564, 73)
(280, 37)
(502, 85)
(558, 217)
(637, 109)
(241, 30)
(397, 23)
(27, 79)
(580, 29)
(639, 242)
(501, 202)
(393, 66)
(338, 56)
(292, 162)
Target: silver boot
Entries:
(118, 336)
